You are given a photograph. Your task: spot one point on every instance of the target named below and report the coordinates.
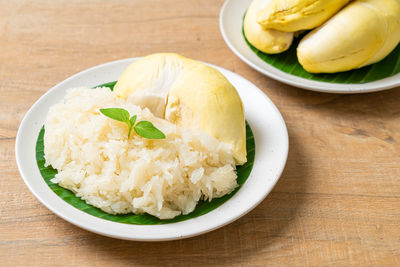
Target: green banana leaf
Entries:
(202, 207)
(287, 62)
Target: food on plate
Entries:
(162, 177)
(266, 40)
(187, 93)
(138, 150)
(363, 33)
(296, 15)
(349, 34)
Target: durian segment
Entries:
(266, 40)
(147, 81)
(187, 93)
(363, 33)
(203, 98)
(296, 15)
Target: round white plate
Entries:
(230, 22)
(271, 140)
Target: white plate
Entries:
(271, 152)
(230, 22)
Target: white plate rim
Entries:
(25, 157)
(241, 49)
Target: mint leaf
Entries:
(118, 114)
(147, 130)
(132, 120)
(143, 128)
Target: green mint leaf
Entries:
(132, 120)
(130, 129)
(118, 114)
(147, 130)
(143, 128)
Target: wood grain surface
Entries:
(337, 202)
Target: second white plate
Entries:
(230, 22)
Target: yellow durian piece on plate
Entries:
(187, 93)
(362, 33)
(296, 15)
(266, 40)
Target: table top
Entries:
(337, 202)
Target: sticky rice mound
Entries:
(95, 159)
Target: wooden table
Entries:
(337, 202)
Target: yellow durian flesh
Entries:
(266, 40)
(187, 93)
(390, 15)
(364, 32)
(296, 15)
(147, 81)
(211, 104)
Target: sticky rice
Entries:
(97, 161)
